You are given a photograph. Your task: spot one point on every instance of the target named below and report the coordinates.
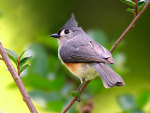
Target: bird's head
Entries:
(68, 31)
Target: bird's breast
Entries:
(81, 70)
(74, 67)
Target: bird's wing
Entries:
(85, 53)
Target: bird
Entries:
(84, 57)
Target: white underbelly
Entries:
(85, 71)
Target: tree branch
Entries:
(112, 49)
(17, 80)
(129, 27)
(74, 99)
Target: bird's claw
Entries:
(78, 99)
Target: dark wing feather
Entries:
(89, 53)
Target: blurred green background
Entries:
(29, 24)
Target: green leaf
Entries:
(23, 68)
(22, 54)
(131, 10)
(24, 60)
(12, 55)
(129, 2)
(141, 3)
(142, 99)
(75, 94)
(126, 102)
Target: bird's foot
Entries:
(78, 99)
(76, 94)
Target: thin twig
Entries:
(74, 99)
(136, 7)
(17, 80)
(129, 27)
(112, 49)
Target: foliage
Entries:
(131, 104)
(131, 3)
(18, 60)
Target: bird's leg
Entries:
(82, 82)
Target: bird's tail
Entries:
(109, 77)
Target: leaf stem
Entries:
(17, 80)
(136, 7)
(112, 49)
(18, 66)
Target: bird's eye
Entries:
(66, 31)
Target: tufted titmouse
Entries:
(84, 57)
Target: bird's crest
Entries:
(71, 23)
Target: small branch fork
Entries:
(17, 80)
(129, 27)
(111, 50)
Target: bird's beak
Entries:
(56, 35)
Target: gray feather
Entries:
(103, 52)
(109, 77)
(73, 52)
(71, 23)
